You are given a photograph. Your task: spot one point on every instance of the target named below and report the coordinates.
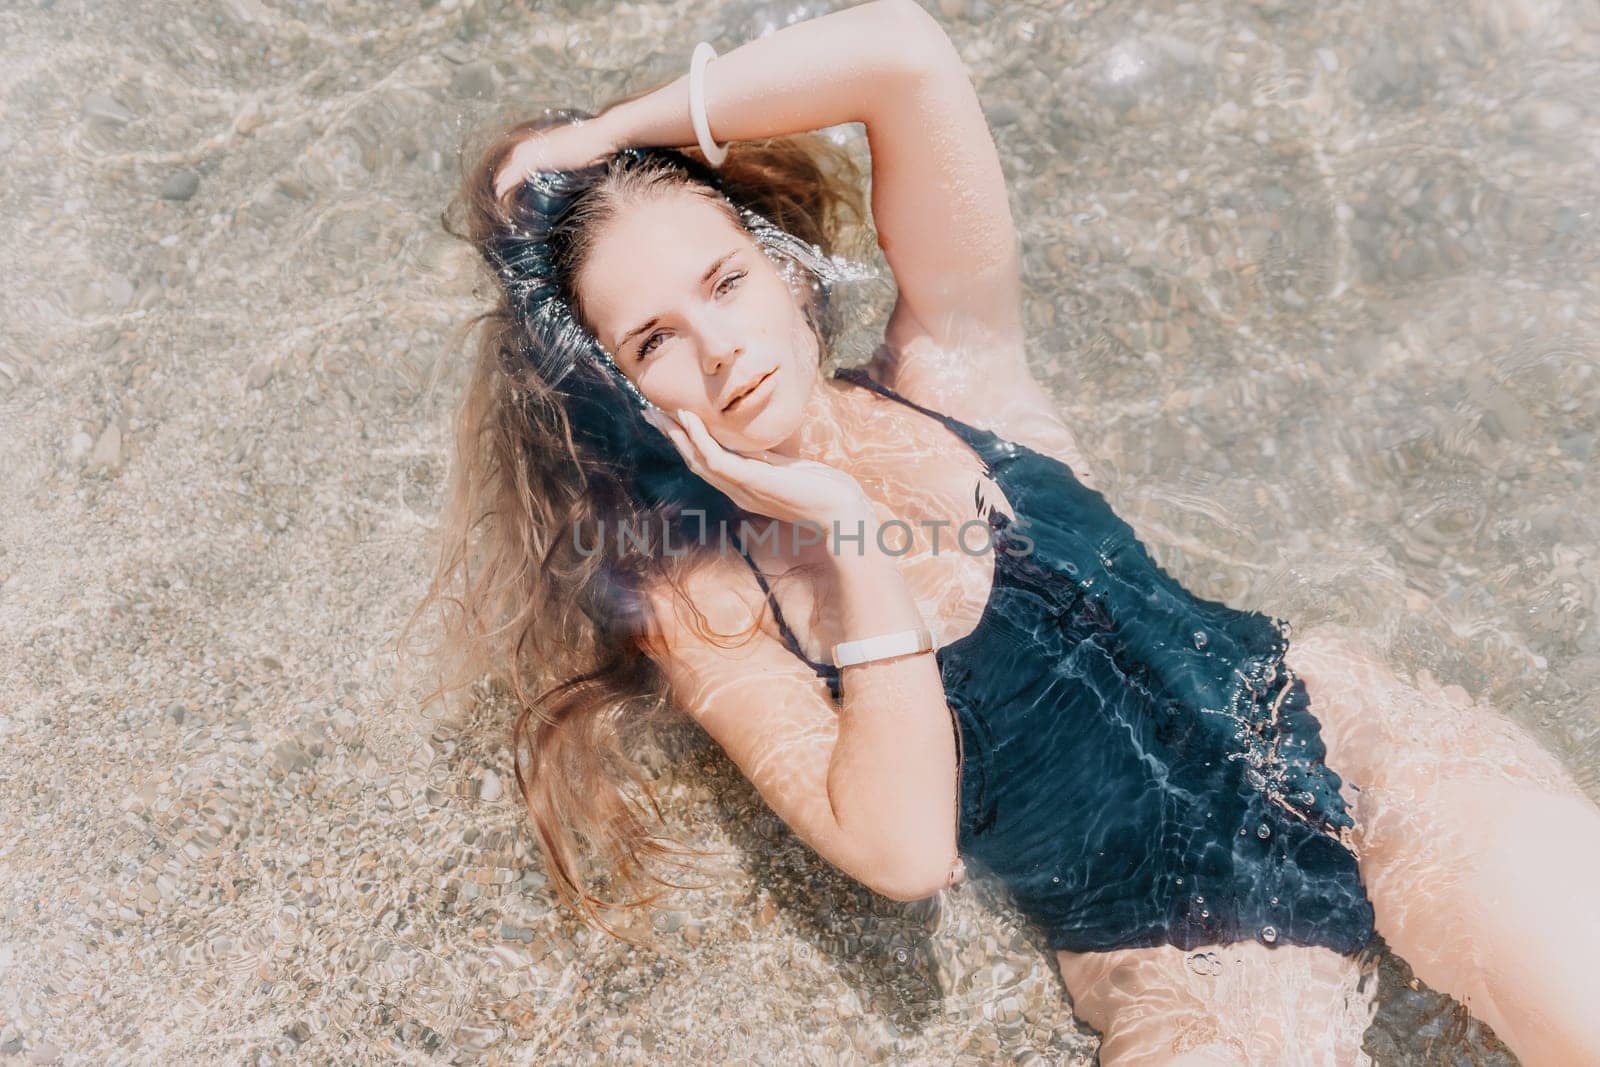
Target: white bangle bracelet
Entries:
(715, 153)
(883, 646)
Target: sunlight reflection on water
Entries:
(1316, 286)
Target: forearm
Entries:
(808, 76)
(892, 777)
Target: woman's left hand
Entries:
(781, 487)
(564, 147)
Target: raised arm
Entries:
(938, 193)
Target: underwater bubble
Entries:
(1269, 934)
(1273, 902)
(1200, 639)
(1205, 913)
(1263, 831)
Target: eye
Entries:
(647, 345)
(728, 283)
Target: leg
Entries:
(1240, 1005)
(1478, 849)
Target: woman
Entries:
(1148, 773)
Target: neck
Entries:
(825, 431)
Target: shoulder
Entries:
(720, 655)
(714, 594)
(998, 393)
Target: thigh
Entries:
(1486, 889)
(1478, 848)
(1401, 748)
(1244, 1004)
(1384, 732)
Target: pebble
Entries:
(473, 80)
(180, 186)
(102, 108)
(1553, 114)
(118, 291)
(250, 119)
(107, 451)
(1003, 113)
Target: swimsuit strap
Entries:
(979, 440)
(826, 671)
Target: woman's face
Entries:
(694, 313)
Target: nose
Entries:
(719, 344)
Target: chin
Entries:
(769, 428)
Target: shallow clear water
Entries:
(1315, 283)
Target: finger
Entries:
(506, 181)
(681, 442)
(525, 159)
(663, 423)
(660, 419)
(699, 448)
(716, 457)
(516, 169)
(694, 459)
(727, 471)
(510, 178)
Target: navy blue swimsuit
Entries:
(1138, 765)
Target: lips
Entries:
(747, 389)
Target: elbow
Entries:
(909, 15)
(919, 41)
(919, 879)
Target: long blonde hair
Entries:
(543, 450)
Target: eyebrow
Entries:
(631, 334)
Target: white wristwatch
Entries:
(882, 646)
